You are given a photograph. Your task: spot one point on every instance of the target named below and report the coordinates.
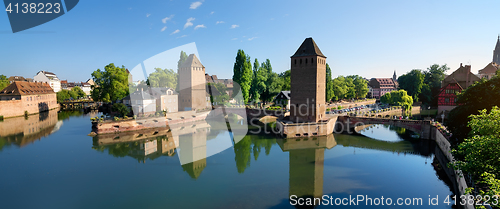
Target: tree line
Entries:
(260, 83)
(425, 85)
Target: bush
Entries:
(26, 114)
(1, 117)
(120, 108)
(101, 119)
(116, 118)
(125, 117)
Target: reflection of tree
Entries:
(248, 145)
(242, 153)
(63, 115)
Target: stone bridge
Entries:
(354, 124)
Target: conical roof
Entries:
(497, 47)
(308, 48)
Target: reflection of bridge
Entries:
(423, 128)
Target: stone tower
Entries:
(496, 52)
(192, 93)
(308, 76)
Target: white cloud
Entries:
(189, 22)
(147, 15)
(176, 31)
(252, 38)
(182, 36)
(164, 20)
(195, 5)
(200, 26)
(219, 22)
(163, 29)
(234, 26)
(212, 12)
(233, 39)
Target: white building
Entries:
(86, 87)
(142, 103)
(50, 78)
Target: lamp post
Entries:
(442, 116)
(428, 111)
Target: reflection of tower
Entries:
(192, 93)
(306, 172)
(193, 151)
(306, 164)
(308, 73)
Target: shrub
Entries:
(101, 119)
(327, 109)
(92, 119)
(26, 113)
(120, 108)
(116, 118)
(1, 117)
(125, 117)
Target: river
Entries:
(48, 161)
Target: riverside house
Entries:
(21, 96)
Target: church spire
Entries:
(496, 52)
(394, 76)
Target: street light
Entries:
(442, 116)
(428, 111)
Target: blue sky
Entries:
(368, 38)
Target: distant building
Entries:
(192, 81)
(64, 85)
(227, 82)
(19, 78)
(141, 102)
(21, 96)
(489, 71)
(86, 87)
(381, 86)
(166, 99)
(452, 85)
(50, 78)
(283, 99)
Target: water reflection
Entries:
(306, 158)
(21, 131)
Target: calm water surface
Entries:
(48, 161)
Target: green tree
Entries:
(4, 81)
(351, 90)
(285, 77)
(120, 108)
(433, 77)
(77, 92)
(182, 58)
(399, 98)
(258, 82)
(273, 87)
(163, 78)
(478, 155)
(386, 99)
(412, 82)
(111, 83)
(63, 95)
(480, 95)
(329, 84)
(360, 86)
(242, 74)
(339, 88)
(218, 93)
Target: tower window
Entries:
(306, 60)
(312, 60)
(301, 61)
(295, 61)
